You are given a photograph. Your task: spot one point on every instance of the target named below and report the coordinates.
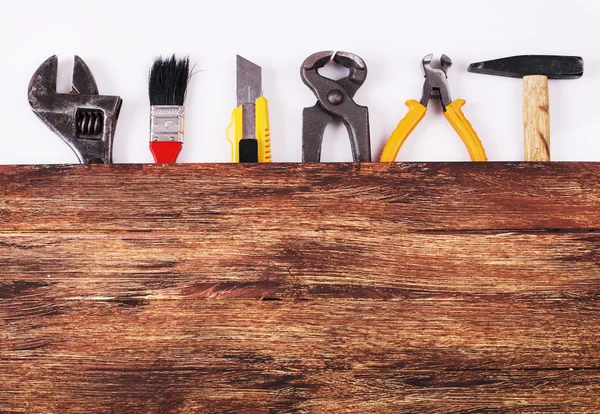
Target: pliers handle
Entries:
(456, 118)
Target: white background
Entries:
(119, 39)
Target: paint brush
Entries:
(167, 87)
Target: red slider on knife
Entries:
(167, 88)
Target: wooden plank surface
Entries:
(300, 288)
(217, 198)
(412, 335)
(350, 356)
(302, 265)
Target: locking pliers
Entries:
(436, 87)
(85, 120)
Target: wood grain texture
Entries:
(300, 265)
(447, 288)
(411, 335)
(371, 198)
(536, 118)
(444, 356)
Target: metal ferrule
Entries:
(166, 123)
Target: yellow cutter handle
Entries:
(465, 130)
(234, 133)
(416, 113)
(263, 131)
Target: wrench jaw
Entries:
(83, 80)
(85, 120)
(42, 85)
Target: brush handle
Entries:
(165, 152)
(536, 117)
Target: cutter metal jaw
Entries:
(85, 120)
(335, 100)
(436, 81)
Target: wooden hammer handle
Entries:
(536, 117)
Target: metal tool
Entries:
(249, 132)
(436, 87)
(85, 120)
(535, 70)
(335, 101)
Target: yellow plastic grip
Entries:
(416, 113)
(263, 131)
(234, 133)
(465, 130)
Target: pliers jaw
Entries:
(321, 86)
(335, 100)
(436, 81)
(85, 120)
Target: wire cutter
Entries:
(436, 87)
(335, 100)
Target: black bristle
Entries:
(168, 81)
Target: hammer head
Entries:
(554, 67)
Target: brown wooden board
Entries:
(427, 287)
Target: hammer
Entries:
(535, 70)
